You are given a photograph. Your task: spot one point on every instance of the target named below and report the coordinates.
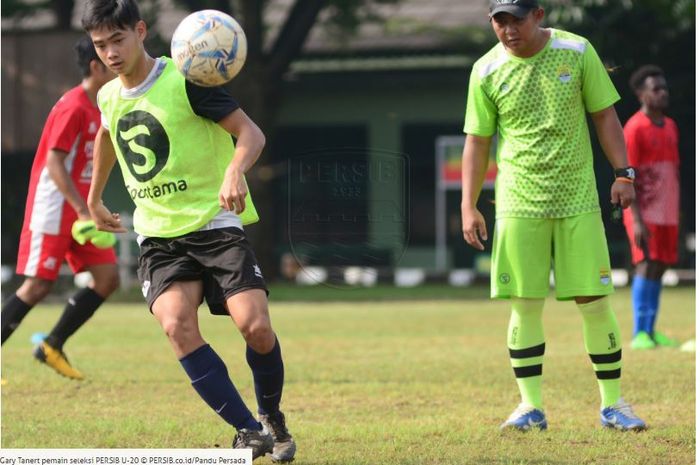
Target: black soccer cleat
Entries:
(261, 442)
(285, 447)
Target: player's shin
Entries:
(268, 377)
(13, 312)
(211, 381)
(601, 335)
(77, 312)
(526, 346)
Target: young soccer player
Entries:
(534, 89)
(173, 143)
(652, 221)
(58, 189)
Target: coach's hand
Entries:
(233, 191)
(474, 227)
(622, 193)
(106, 220)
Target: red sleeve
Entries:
(65, 128)
(633, 142)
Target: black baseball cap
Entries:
(518, 8)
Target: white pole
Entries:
(126, 258)
(440, 209)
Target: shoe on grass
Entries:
(260, 441)
(57, 360)
(642, 341)
(525, 418)
(664, 341)
(621, 417)
(285, 447)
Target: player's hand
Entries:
(474, 227)
(641, 234)
(622, 193)
(84, 214)
(106, 220)
(233, 191)
(84, 231)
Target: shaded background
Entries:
(371, 75)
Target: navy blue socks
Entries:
(210, 379)
(268, 376)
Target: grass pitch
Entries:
(392, 382)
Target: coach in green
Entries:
(533, 90)
(172, 140)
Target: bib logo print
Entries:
(144, 144)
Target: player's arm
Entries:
(55, 165)
(641, 232)
(475, 160)
(609, 130)
(103, 161)
(250, 141)
(633, 144)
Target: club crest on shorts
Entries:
(604, 276)
(50, 263)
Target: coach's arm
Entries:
(612, 139)
(475, 161)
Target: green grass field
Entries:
(413, 381)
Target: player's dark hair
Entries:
(640, 76)
(114, 14)
(84, 54)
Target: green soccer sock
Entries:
(601, 336)
(526, 347)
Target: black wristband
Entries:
(627, 172)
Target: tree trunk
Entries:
(63, 9)
(253, 91)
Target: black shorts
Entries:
(221, 258)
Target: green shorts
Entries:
(526, 249)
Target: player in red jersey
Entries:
(652, 222)
(58, 189)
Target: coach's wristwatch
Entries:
(625, 173)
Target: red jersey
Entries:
(653, 151)
(70, 127)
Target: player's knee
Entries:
(180, 331)
(258, 334)
(107, 284)
(33, 290)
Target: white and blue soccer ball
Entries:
(209, 48)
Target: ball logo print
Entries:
(209, 48)
(143, 143)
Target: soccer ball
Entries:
(209, 48)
